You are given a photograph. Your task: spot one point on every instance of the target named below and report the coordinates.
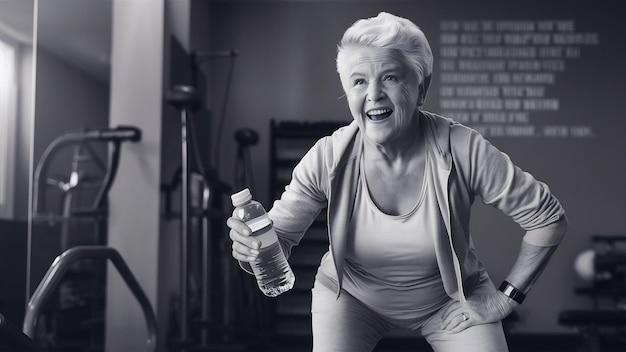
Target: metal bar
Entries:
(184, 228)
(61, 264)
(111, 171)
(120, 133)
(206, 263)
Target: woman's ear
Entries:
(423, 90)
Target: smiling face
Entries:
(382, 92)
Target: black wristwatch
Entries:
(512, 292)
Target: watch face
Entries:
(511, 292)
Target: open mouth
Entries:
(379, 114)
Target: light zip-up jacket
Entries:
(463, 164)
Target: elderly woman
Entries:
(399, 183)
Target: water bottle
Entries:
(272, 271)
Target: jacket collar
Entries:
(437, 131)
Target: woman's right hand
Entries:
(245, 248)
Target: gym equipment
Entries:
(215, 330)
(83, 198)
(244, 178)
(606, 321)
(13, 338)
(82, 137)
(187, 100)
(83, 140)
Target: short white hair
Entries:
(388, 31)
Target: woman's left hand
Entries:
(478, 309)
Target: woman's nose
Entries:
(374, 92)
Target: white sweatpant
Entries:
(347, 325)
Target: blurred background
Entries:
(95, 96)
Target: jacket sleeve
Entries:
(303, 198)
(500, 183)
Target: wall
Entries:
(136, 99)
(286, 71)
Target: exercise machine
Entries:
(14, 340)
(71, 210)
(605, 322)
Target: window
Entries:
(8, 113)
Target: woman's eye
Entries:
(391, 78)
(358, 82)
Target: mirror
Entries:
(16, 74)
(71, 99)
(16, 109)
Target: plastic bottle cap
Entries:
(241, 197)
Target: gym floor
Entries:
(517, 343)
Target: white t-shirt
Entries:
(390, 262)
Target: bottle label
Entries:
(267, 238)
(259, 223)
